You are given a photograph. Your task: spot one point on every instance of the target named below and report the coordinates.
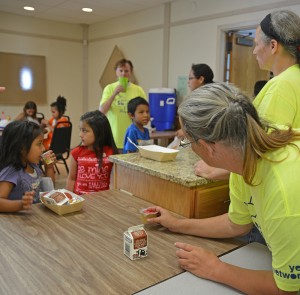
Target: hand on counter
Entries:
(208, 172)
(199, 261)
(179, 133)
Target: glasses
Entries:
(185, 142)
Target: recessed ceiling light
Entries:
(87, 9)
(29, 8)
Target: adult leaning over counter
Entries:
(115, 99)
(224, 129)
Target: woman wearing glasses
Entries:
(224, 129)
(200, 74)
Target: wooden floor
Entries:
(61, 179)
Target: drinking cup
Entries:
(124, 82)
(47, 157)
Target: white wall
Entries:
(61, 44)
(193, 28)
(139, 36)
(195, 31)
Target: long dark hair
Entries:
(30, 105)
(17, 138)
(102, 132)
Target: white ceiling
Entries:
(69, 11)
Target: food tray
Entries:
(158, 153)
(63, 209)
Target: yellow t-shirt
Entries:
(117, 114)
(273, 205)
(279, 100)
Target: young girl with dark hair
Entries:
(29, 113)
(20, 175)
(58, 109)
(90, 168)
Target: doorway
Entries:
(240, 65)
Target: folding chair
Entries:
(40, 116)
(61, 142)
(67, 117)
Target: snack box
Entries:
(147, 213)
(135, 242)
(65, 206)
(158, 153)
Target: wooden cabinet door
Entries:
(212, 201)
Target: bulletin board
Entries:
(109, 73)
(24, 77)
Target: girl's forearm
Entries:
(70, 185)
(49, 172)
(10, 205)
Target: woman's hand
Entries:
(179, 133)
(200, 262)
(27, 200)
(208, 172)
(203, 170)
(164, 218)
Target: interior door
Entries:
(241, 66)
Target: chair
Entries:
(67, 117)
(40, 117)
(61, 142)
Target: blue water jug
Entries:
(162, 102)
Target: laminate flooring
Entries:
(61, 179)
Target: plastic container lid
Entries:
(162, 90)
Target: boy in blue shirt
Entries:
(138, 111)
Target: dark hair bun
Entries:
(61, 101)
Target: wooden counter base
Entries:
(199, 202)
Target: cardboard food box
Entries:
(135, 242)
(66, 205)
(158, 153)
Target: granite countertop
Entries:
(180, 171)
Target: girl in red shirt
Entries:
(90, 168)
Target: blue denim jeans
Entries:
(253, 236)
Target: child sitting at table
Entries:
(58, 109)
(20, 175)
(90, 168)
(138, 111)
(29, 113)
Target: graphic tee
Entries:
(90, 177)
(22, 181)
(272, 204)
(117, 114)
